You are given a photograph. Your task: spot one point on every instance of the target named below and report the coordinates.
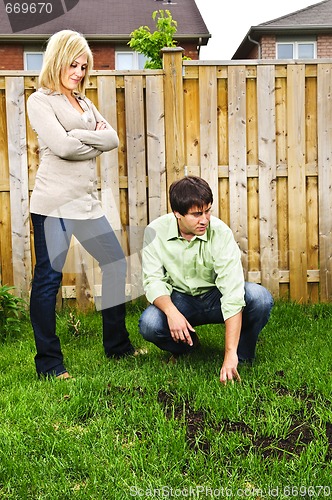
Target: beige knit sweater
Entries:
(66, 181)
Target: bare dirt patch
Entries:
(299, 435)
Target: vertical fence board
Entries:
(252, 177)
(6, 271)
(282, 183)
(109, 163)
(222, 109)
(325, 178)
(122, 156)
(252, 120)
(192, 126)
(174, 114)
(312, 183)
(297, 182)
(155, 130)
(222, 135)
(238, 158)
(312, 232)
(135, 127)
(19, 183)
(208, 127)
(267, 179)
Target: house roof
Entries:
(311, 20)
(316, 15)
(102, 19)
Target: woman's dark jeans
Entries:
(52, 239)
(205, 309)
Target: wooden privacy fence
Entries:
(260, 132)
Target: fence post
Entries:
(19, 188)
(174, 119)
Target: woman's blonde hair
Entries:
(62, 49)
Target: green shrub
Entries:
(12, 310)
(150, 44)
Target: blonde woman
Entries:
(64, 202)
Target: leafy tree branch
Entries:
(150, 44)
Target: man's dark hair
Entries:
(191, 191)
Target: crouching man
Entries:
(192, 275)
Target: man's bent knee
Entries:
(258, 299)
(150, 322)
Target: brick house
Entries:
(107, 25)
(304, 34)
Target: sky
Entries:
(229, 25)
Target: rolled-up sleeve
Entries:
(154, 279)
(229, 274)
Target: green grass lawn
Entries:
(142, 428)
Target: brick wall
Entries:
(324, 46)
(11, 56)
(190, 50)
(268, 47)
(103, 55)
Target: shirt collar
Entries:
(173, 231)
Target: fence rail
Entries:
(259, 132)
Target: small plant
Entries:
(12, 310)
(150, 44)
(74, 324)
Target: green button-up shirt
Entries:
(170, 262)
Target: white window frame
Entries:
(296, 43)
(31, 52)
(133, 53)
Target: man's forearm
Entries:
(232, 333)
(165, 304)
(232, 336)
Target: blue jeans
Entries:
(52, 239)
(205, 309)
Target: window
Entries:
(305, 49)
(285, 51)
(33, 60)
(129, 60)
